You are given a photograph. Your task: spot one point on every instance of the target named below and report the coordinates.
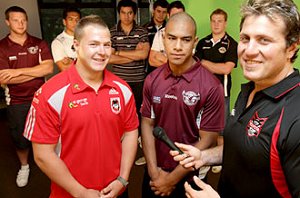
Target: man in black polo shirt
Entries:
(218, 52)
(261, 140)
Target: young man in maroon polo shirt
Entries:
(24, 62)
(186, 100)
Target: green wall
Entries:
(201, 10)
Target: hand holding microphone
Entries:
(160, 134)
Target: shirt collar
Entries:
(278, 90)
(78, 85)
(188, 75)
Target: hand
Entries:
(112, 190)
(206, 192)
(90, 193)
(161, 185)
(7, 74)
(191, 157)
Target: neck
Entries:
(217, 37)
(91, 78)
(127, 28)
(178, 70)
(18, 38)
(69, 32)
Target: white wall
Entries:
(30, 6)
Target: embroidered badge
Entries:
(77, 103)
(255, 125)
(115, 105)
(222, 50)
(190, 98)
(33, 50)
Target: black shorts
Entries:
(16, 115)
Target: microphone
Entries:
(160, 134)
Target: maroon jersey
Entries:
(15, 56)
(182, 105)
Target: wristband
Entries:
(123, 181)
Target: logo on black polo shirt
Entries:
(190, 98)
(115, 105)
(255, 125)
(222, 50)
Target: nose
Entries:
(178, 45)
(251, 48)
(101, 50)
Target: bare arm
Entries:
(15, 76)
(148, 143)
(64, 63)
(57, 171)
(139, 53)
(207, 140)
(129, 148)
(218, 68)
(157, 58)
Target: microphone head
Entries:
(159, 132)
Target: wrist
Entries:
(123, 181)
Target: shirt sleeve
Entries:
(231, 54)
(42, 123)
(57, 49)
(45, 52)
(131, 120)
(213, 112)
(146, 104)
(3, 60)
(290, 160)
(157, 44)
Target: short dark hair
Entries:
(161, 3)
(85, 21)
(14, 9)
(127, 3)
(176, 4)
(70, 9)
(219, 11)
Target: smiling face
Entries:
(262, 50)
(93, 49)
(17, 22)
(179, 41)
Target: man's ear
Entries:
(75, 44)
(292, 49)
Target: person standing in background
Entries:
(62, 46)
(218, 53)
(157, 55)
(24, 62)
(158, 21)
(93, 113)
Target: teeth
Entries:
(252, 62)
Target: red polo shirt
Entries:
(90, 125)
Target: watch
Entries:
(123, 181)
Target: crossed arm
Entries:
(218, 68)
(16, 76)
(127, 56)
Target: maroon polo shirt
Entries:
(15, 56)
(182, 105)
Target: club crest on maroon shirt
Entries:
(190, 98)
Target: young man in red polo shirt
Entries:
(92, 113)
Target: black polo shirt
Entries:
(255, 136)
(223, 51)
